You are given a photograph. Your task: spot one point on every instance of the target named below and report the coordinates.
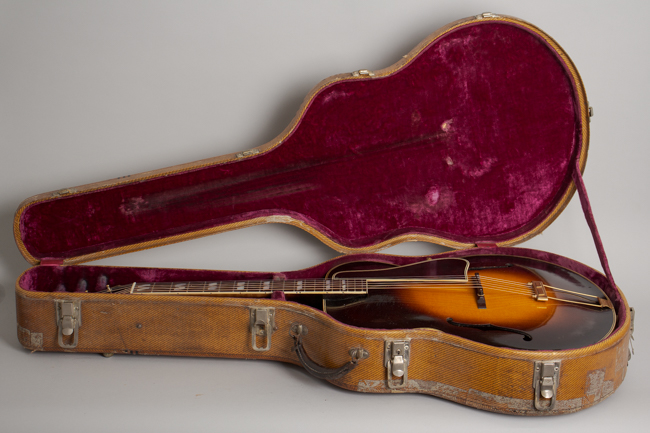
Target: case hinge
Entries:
(630, 351)
(262, 324)
(51, 262)
(396, 360)
(545, 382)
(68, 320)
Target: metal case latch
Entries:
(396, 361)
(545, 382)
(262, 324)
(68, 319)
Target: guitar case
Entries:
(475, 140)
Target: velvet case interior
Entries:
(473, 139)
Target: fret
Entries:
(179, 287)
(142, 288)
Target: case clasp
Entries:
(397, 354)
(262, 324)
(68, 319)
(545, 382)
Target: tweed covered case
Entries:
(488, 102)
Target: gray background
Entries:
(96, 90)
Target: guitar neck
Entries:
(247, 287)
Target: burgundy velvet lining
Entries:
(473, 141)
(68, 278)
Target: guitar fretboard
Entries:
(253, 287)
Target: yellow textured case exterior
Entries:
(478, 375)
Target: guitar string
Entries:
(320, 282)
(307, 290)
(317, 285)
(311, 285)
(126, 289)
(306, 285)
(492, 295)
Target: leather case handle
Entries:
(316, 370)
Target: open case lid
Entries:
(475, 137)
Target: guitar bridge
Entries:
(480, 295)
(540, 291)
